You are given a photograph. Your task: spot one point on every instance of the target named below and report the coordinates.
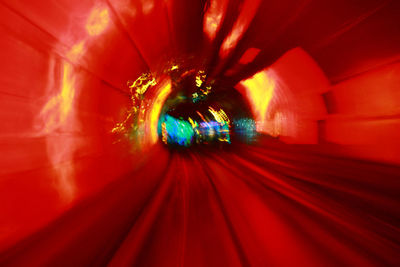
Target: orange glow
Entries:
(259, 91)
(76, 51)
(246, 15)
(158, 103)
(147, 6)
(58, 117)
(213, 17)
(98, 21)
(56, 111)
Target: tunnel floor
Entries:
(240, 207)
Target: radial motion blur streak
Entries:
(200, 133)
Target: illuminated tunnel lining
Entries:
(74, 194)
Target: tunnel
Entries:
(200, 133)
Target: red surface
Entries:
(324, 192)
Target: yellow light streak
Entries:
(200, 78)
(193, 123)
(259, 90)
(58, 116)
(164, 91)
(220, 116)
(141, 84)
(174, 67)
(76, 52)
(55, 112)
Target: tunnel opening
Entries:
(200, 112)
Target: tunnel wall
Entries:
(65, 65)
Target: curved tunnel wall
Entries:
(65, 66)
